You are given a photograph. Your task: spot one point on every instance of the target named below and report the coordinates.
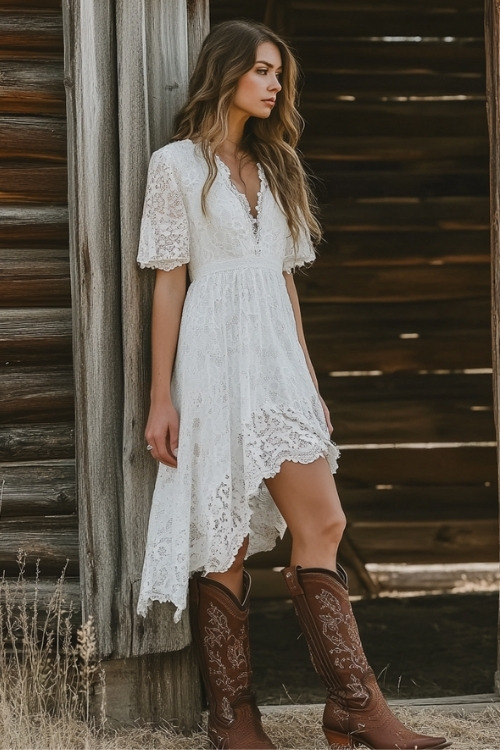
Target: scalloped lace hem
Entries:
(330, 452)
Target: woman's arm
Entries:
(162, 429)
(294, 299)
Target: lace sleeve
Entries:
(164, 236)
(300, 254)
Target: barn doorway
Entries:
(397, 307)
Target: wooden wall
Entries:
(37, 479)
(397, 307)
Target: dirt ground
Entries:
(424, 646)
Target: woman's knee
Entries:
(322, 531)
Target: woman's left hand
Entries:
(326, 412)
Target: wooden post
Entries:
(121, 106)
(492, 36)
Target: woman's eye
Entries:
(262, 71)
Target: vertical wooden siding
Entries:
(38, 511)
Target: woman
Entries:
(236, 421)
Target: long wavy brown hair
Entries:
(228, 52)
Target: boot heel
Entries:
(336, 740)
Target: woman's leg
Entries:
(355, 709)
(232, 578)
(307, 498)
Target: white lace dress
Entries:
(241, 385)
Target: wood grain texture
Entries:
(33, 139)
(34, 277)
(28, 336)
(37, 441)
(42, 488)
(36, 394)
(52, 540)
(153, 82)
(90, 74)
(33, 226)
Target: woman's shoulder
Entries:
(175, 152)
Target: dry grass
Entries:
(47, 676)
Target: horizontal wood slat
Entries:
(40, 595)
(45, 488)
(28, 87)
(451, 336)
(37, 441)
(387, 19)
(332, 118)
(327, 283)
(33, 227)
(24, 35)
(33, 184)
(387, 148)
(33, 139)
(34, 394)
(420, 467)
(378, 56)
(394, 246)
(53, 540)
(455, 212)
(376, 181)
(374, 85)
(410, 408)
(35, 278)
(31, 335)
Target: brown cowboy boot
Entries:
(219, 625)
(355, 710)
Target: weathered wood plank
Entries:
(446, 212)
(329, 117)
(374, 85)
(89, 31)
(34, 335)
(157, 71)
(383, 148)
(25, 183)
(410, 408)
(426, 183)
(426, 56)
(417, 466)
(326, 282)
(35, 277)
(38, 394)
(44, 488)
(388, 19)
(53, 540)
(427, 542)
(35, 34)
(32, 87)
(28, 226)
(37, 441)
(355, 337)
(40, 594)
(395, 246)
(33, 139)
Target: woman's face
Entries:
(256, 91)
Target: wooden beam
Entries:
(90, 76)
(37, 441)
(138, 85)
(492, 33)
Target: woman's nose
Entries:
(275, 84)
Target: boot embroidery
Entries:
(227, 660)
(346, 648)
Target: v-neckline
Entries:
(242, 196)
